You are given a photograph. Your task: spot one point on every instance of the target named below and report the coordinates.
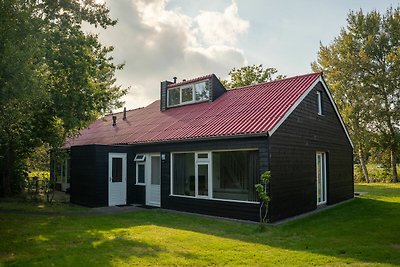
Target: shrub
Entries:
(377, 173)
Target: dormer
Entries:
(202, 89)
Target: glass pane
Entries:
(183, 174)
(116, 170)
(319, 172)
(68, 170)
(187, 94)
(201, 91)
(141, 173)
(202, 180)
(234, 175)
(155, 170)
(173, 97)
(202, 156)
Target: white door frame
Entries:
(117, 190)
(152, 189)
(323, 190)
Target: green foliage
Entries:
(55, 79)
(362, 232)
(362, 66)
(39, 183)
(261, 190)
(378, 173)
(250, 75)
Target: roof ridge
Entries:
(275, 81)
(172, 85)
(129, 110)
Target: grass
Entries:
(363, 232)
(13, 205)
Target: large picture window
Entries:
(225, 175)
(183, 173)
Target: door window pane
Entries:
(183, 174)
(140, 174)
(116, 170)
(321, 178)
(155, 170)
(202, 170)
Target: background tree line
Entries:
(54, 79)
(362, 69)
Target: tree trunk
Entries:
(363, 165)
(393, 160)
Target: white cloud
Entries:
(158, 43)
(221, 28)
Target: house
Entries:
(201, 149)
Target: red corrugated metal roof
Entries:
(251, 109)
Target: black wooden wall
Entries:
(89, 174)
(247, 211)
(293, 148)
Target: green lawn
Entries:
(363, 232)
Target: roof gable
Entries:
(254, 109)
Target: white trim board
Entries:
(301, 98)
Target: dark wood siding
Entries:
(246, 211)
(89, 174)
(216, 88)
(293, 150)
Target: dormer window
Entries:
(319, 103)
(188, 93)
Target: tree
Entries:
(250, 75)
(362, 66)
(54, 78)
(261, 190)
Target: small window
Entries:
(319, 97)
(173, 97)
(140, 173)
(201, 91)
(187, 94)
(140, 157)
(202, 155)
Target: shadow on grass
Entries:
(363, 230)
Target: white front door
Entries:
(321, 177)
(116, 179)
(153, 180)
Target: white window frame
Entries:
(186, 86)
(140, 158)
(137, 173)
(168, 90)
(319, 101)
(324, 179)
(190, 86)
(203, 161)
(200, 161)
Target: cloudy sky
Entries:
(160, 39)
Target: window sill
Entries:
(142, 184)
(216, 199)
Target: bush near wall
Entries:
(377, 173)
